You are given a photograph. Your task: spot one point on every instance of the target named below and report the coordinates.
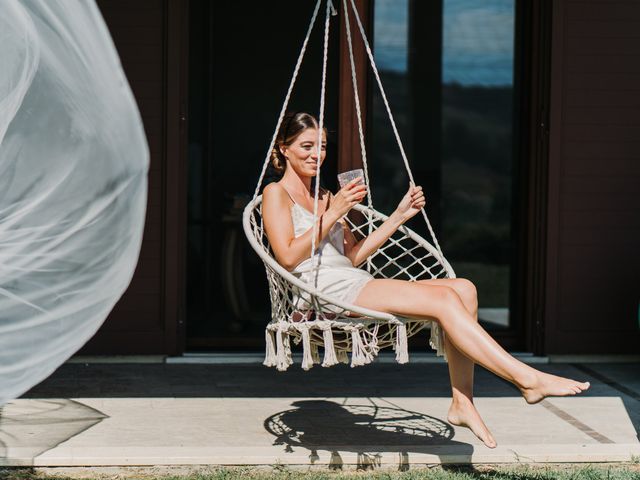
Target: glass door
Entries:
(448, 70)
(241, 57)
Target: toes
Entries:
(490, 442)
(582, 385)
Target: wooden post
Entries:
(349, 155)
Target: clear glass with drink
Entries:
(346, 177)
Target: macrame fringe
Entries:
(436, 340)
(330, 358)
(342, 356)
(287, 349)
(315, 354)
(373, 342)
(283, 350)
(307, 359)
(402, 350)
(278, 347)
(359, 354)
(270, 352)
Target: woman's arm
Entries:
(359, 251)
(288, 249)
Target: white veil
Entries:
(73, 184)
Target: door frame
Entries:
(176, 180)
(528, 283)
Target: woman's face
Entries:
(302, 154)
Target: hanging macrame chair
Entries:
(299, 309)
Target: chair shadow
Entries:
(28, 429)
(368, 430)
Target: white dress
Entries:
(335, 276)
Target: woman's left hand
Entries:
(411, 203)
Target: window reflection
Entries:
(463, 153)
(390, 43)
(391, 29)
(477, 42)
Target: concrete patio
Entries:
(162, 413)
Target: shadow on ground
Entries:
(30, 429)
(367, 430)
(93, 380)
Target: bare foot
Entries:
(464, 414)
(546, 384)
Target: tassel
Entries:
(270, 351)
(402, 350)
(436, 340)
(307, 359)
(315, 354)
(357, 349)
(330, 358)
(342, 356)
(368, 351)
(287, 350)
(281, 361)
(360, 354)
(373, 345)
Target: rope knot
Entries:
(334, 12)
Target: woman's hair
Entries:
(293, 124)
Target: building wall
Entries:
(593, 265)
(593, 262)
(137, 323)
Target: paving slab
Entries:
(122, 414)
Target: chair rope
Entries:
(356, 99)
(393, 123)
(329, 11)
(286, 99)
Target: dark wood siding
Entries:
(144, 320)
(593, 263)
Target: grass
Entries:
(630, 471)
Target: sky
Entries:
(478, 38)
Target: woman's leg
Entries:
(462, 411)
(421, 300)
(460, 366)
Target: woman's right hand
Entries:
(348, 196)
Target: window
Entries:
(447, 68)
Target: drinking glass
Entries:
(346, 177)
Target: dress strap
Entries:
(291, 197)
(293, 200)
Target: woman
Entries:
(451, 302)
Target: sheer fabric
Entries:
(73, 184)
